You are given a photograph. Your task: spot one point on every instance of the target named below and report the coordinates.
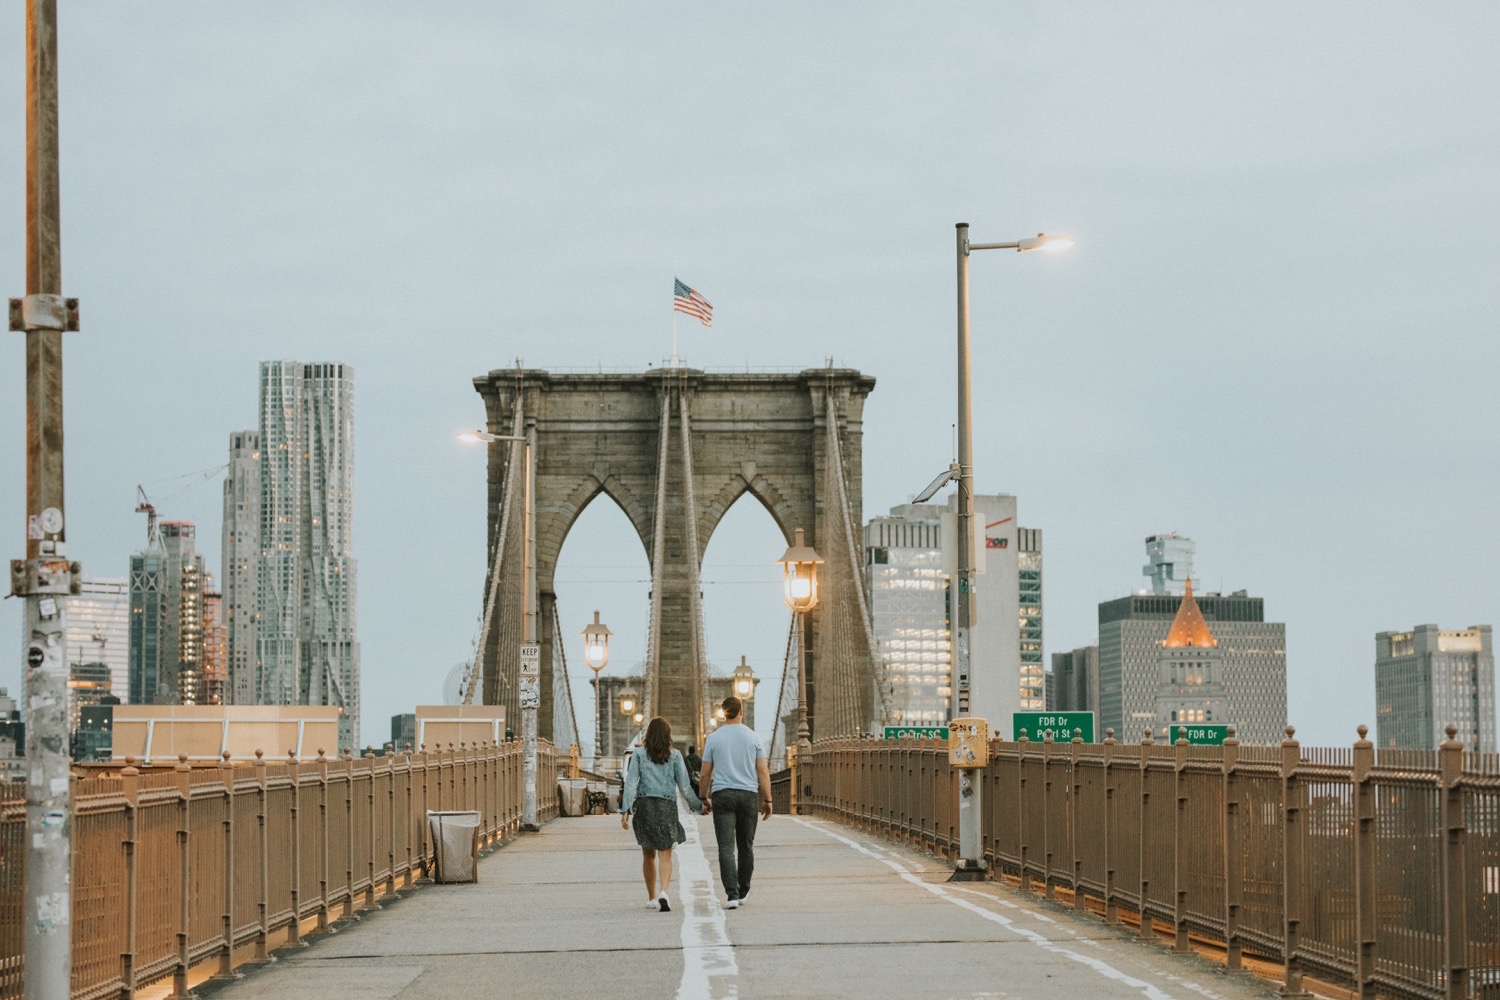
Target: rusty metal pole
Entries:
(44, 578)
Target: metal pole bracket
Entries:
(33, 577)
(43, 312)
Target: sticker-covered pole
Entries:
(45, 577)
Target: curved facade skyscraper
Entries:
(306, 646)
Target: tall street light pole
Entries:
(529, 693)
(596, 657)
(799, 567)
(45, 577)
(969, 806)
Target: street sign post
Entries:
(1200, 735)
(969, 752)
(916, 732)
(1061, 725)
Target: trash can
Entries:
(455, 845)
(572, 796)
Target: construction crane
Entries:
(145, 507)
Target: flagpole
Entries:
(675, 363)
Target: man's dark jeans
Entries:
(735, 816)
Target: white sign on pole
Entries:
(530, 693)
(531, 659)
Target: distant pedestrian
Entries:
(654, 776)
(734, 775)
(694, 765)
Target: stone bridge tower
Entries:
(674, 448)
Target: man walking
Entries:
(734, 774)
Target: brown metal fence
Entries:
(1377, 872)
(173, 867)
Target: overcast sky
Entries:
(1276, 335)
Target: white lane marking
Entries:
(708, 965)
(1103, 968)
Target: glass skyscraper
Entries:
(910, 559)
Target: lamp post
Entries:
(529, 695)
(596, 656)
(628, 701)
(969, 807)
(742, 682)
(799, 567)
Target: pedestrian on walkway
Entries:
(653, 778)
(734, 774)
(694, 765)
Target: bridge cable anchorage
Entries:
(700, 694)
(564, 723)
(475, 670)
(836, 469)
(658, 553)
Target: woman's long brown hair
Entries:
(659, 741)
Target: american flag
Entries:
(685, 300)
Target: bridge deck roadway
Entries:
(833, 913)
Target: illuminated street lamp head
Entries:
(744, 681)
(596, 644)
(627, 701)
(1045, 243)
(476, 436)
(800, 571)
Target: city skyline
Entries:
(332, 176)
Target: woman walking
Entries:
(655, 775)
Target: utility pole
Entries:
(45, 577)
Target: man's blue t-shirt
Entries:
(733, 751)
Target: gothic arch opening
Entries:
(602, 567)
(743, 610)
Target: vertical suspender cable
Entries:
(658, 553)
(695, 587)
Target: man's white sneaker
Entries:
(733, 904)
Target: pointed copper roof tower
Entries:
(1189, 627)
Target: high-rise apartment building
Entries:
(166, 618)
(98, 630)
(910, 560)
(1074, 683)
(908, 591)
(241, 563)
(307, 649)
(215, 652)
(1165, 659)
(1429, 678)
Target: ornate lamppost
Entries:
(596, 657)
(799, 566)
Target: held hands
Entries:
(707, 805)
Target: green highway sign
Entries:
(1199, 734)
(917, 732)
(1060, 724)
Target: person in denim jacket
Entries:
(652, 780)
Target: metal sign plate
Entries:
(531, 659)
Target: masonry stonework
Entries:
(766, 434)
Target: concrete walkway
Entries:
(561, 913)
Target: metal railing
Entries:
(177, 867)
(1375, 871)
